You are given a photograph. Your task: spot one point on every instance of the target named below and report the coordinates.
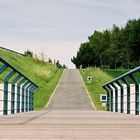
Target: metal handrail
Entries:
(22, 82)
(124, 75)
(13, 68)
(123, 78)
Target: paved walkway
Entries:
(68, 118)
(70, 125)
(70, 93)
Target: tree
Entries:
(64, 66)
(58, 64)
(116, 47)
(28, 53)
(50, 61)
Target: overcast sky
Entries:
(58, 27)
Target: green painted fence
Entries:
(112, 91)
(18, 87)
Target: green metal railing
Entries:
(112, 91)
(18, 87)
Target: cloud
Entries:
(60, 23)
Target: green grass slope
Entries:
(100, 77)
(118, 72)
(114, 73)
(44, 74)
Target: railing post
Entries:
(5, 103)
(18, 93)
(116, 96)
(123, 78)
(23, 95)
(32, 97)
(108, 97)
(122, 97)
(111, 97)
(136, 93)
(13, 93)
(27, 96)
(128, 94)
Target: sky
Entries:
(58, 27)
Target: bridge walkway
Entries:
(70, 116)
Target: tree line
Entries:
(115, 47)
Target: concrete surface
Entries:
(70, 93)
(70, 125)
(70, 117)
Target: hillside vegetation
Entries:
(44, 74)
(114, 72)
(100, 77)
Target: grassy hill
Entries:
(100, 77)
(44, 74)
(114, 73)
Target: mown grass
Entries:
(100, 77)
(114, 73)
(44, 74)
(95, 87)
